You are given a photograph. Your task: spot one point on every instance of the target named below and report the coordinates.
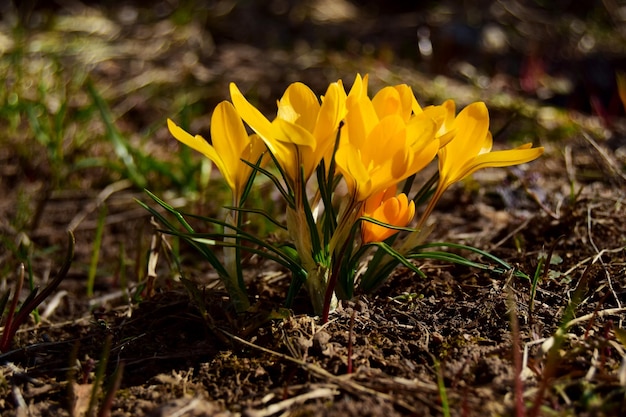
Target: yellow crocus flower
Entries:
(470, 150)
(380, 145)
(397, 99)
(304, 130)
(400, 100)
(388, 208)
(230, 145)
(444, 116)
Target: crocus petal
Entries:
(395, 211)
(375, 201)
(256, 147)
(503, 158)
(358, 89)
(407, 100)
(472, 125)
(196, 142)
(332, 111)
(387, 101)
(299, 105)
(470, 150)
(394, 100)
(472, 138)
(254, 118)
(303, 132)
(360, 120)
(298, 152)
(387, 136)
(388, 150)
(199, 144)
(444, 117)
(229, 138)
(349, 162)
(294, 133)
(423, 155)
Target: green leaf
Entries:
(387, 225)
(397, 256)
(285, 192)
(203, 249)
(316, 243)
(426, 191)
(250, 182)
(487, 255)
(260, 212)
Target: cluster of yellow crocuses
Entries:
(371, 144)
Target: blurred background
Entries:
(564, 52)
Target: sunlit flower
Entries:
(304, 130)
(397, 99)
(388, 208)
(230, 145)
(443, 115)
(381, 142)
(400, 100)
(470, 150)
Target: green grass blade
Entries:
(171, 210)
(95, 255)
(120, 145)
(284, 192)
(260, 212)
(387, 225)
(316, 242)
(397, 256)
(426, 191)
(282, 259)
(250, 183)
(204, 250)
(441, 385)
(487, 255)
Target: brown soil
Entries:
(462, 341)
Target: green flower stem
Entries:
(342, 238)
(330, 299)
(317, 285)
(317, 274)
(234, 283)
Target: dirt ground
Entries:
(461, 342)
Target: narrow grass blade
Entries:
(99, 375)
(426, 191)
(284, 192)
(398, 257)
(95, 254)
(34, 299)
(120, 145)
(487, 255)
(441, 385)
(280, 258)
(260, 212)
(250, 182)
(387, 225)
(203, 249)
(312, 227)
